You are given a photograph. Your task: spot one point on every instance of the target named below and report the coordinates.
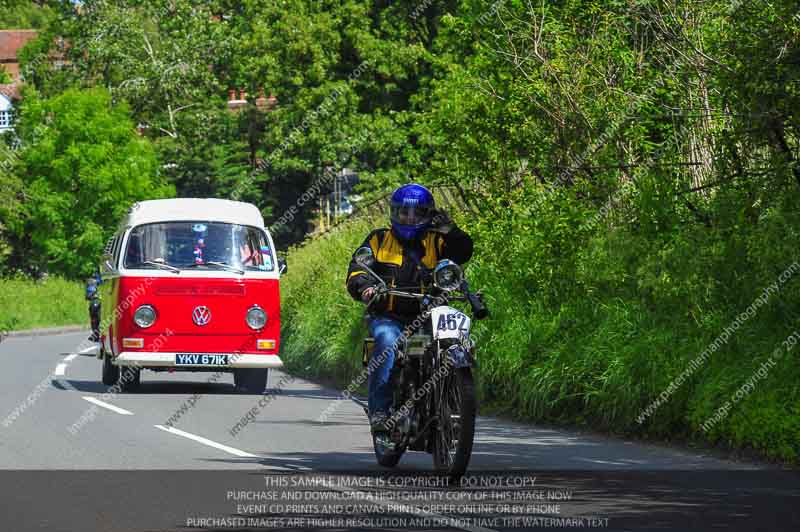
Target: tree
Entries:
(10, 194)
(83, 166)
(24, 14)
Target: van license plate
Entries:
(200, 359)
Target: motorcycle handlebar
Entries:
(479, 309)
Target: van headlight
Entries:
(448, 275)
(144, 316)
(256, 317)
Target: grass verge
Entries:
(53, 302)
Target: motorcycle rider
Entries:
(94, 305)
(420, 235)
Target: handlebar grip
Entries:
(479, 309)
(380, 293)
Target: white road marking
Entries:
(111, 407)
(60, 369)
(604, 462)
(89, 349)
(70, 358)
(200, 439)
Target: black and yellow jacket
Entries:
(395, 263)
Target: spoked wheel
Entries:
(385, 450)
(452, 443)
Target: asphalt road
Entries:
(175, 444)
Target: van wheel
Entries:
(250, 380)
(110, 371)
(129, 379)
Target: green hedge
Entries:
(592, 321)
(28, 304)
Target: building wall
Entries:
(5, 113)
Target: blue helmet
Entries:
(412, 209)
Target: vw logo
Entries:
(201, 315)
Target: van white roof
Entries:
(191, 209)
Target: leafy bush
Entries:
(83, 166)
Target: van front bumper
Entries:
(167, 360)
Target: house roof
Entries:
(11, 41)
(11, 90)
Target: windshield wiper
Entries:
(227, 266)
(223, 265)
(161, 265)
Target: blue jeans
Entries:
(386, 332)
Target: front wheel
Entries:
(455, 431)
(110, 371)
(129, 378)
(385, 450)
(251, 381)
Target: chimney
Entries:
(265, 104)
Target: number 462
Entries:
(450, 322)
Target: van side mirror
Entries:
(282, 266)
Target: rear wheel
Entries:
(129, 378)
(250, 380)
(110, 371)
(452, 444)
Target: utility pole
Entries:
(336, 187)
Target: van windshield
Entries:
(198, 245)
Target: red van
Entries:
(191, 285)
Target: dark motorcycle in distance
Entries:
(93, 297)
(434, 403)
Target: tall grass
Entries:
(322, 327)
(28, 304)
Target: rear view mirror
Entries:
(282, 266)
(364, 257)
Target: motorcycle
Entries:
(434, 403)
(93, 297)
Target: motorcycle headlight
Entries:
(256, 318)
(144, 316)
(447, 275)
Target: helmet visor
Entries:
(411, 214)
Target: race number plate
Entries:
(200, 359)
(449, 323)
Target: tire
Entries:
(110, 371)
(129, 379)
(252, 381)
(459, 391)
(385, 457)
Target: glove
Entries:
(369, 292)
(441, 222)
